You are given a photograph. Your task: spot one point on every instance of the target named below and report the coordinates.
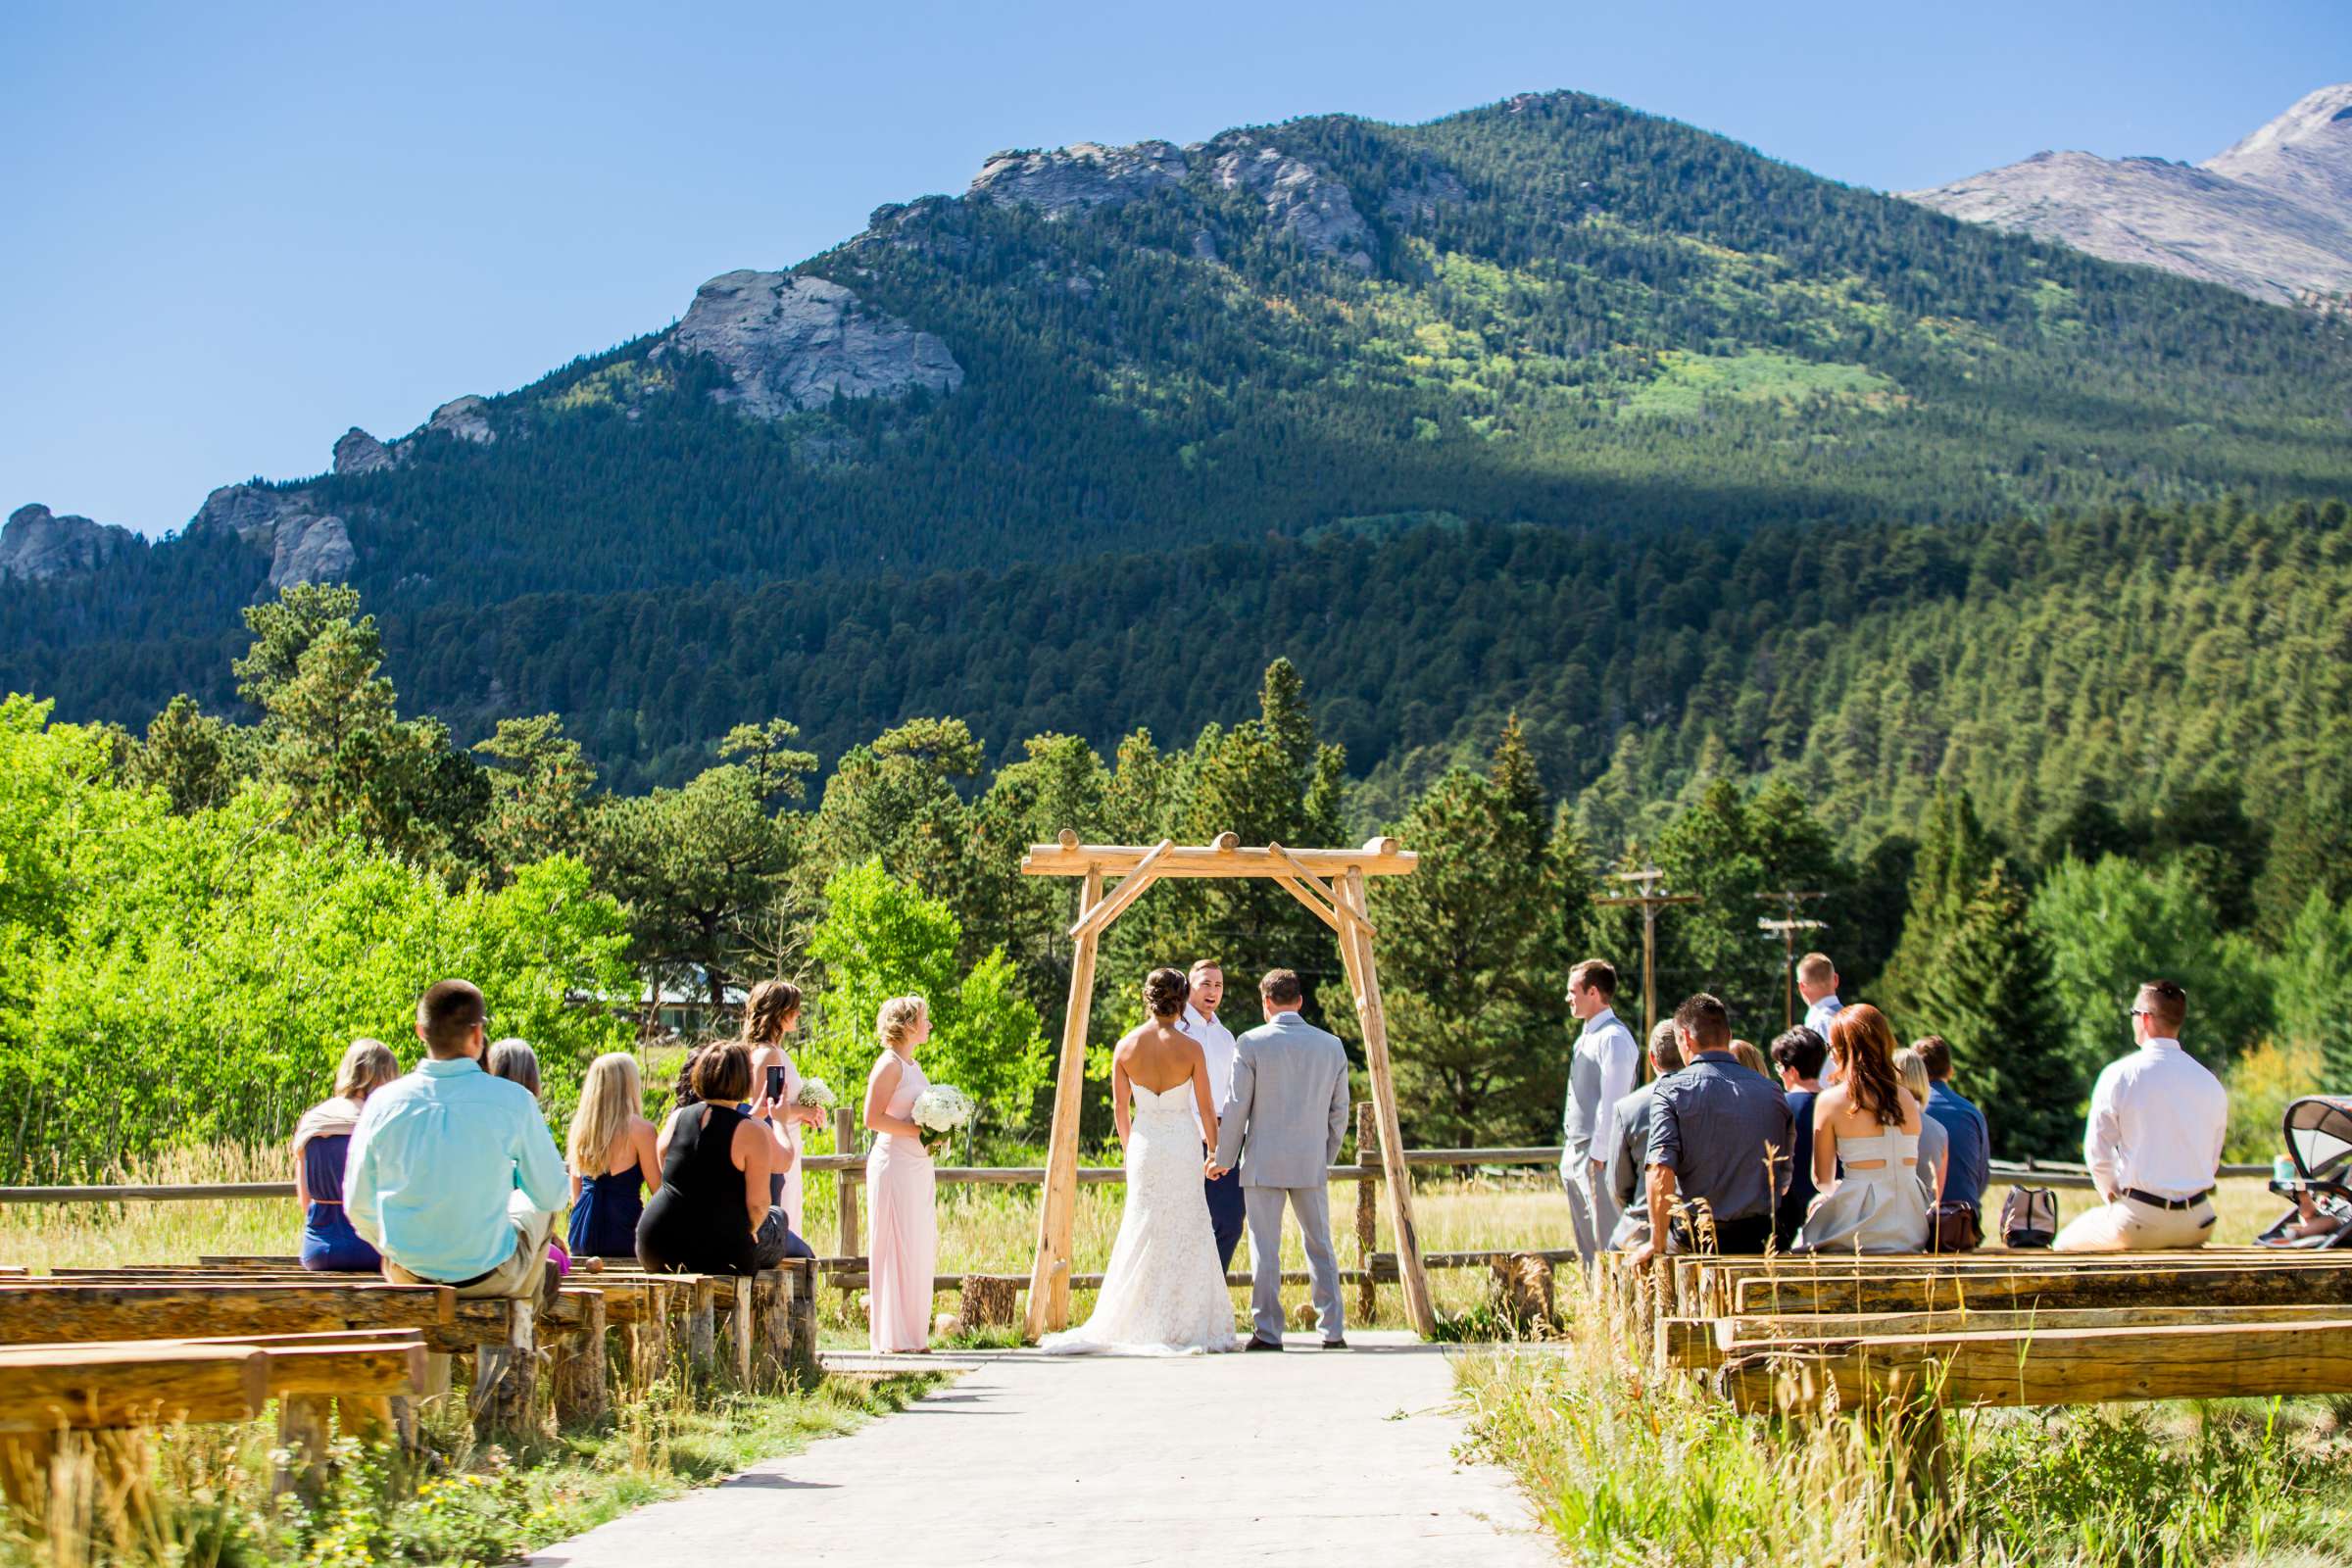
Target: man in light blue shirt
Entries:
(452, 1174)
(1601, 1072)
(1817, 983)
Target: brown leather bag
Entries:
(1953, 1227)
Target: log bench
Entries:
(132, 1385)
(2042, 1366)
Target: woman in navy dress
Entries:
(612, 1158)
(321, 1141)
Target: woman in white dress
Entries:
(1868, 1122)
(1164, 1292)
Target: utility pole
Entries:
(1788, 925)
(1646, 895)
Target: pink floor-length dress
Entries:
(794, 1187)
(905, 1253)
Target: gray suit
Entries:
(1283, 1125)
(1628, 1148)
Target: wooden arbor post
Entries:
(1331, 883)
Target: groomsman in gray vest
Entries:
(1601, 1073)
(1282, 1126)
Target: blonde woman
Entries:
(770, 1014)
(1934, 1144)
(322, 1143)
(612, 1160)
(899, 1175)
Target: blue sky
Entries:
(231, 231)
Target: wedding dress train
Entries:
(1164, 1294)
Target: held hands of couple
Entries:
(1212, 1169)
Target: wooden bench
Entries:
(132, 1385)
(2043, 1366)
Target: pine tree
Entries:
(1989, 996)
(1471, 962)
(1953, 859)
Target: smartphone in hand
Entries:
(775, 1082)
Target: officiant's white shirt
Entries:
(1217, 1050)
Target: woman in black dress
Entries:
(712, 1214)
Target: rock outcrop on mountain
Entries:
(357, 451)
(308, 549)
(1302, 201)
(793, 343)
(37, 544)
(466, 419)
(303, 544)
(1061, 180)
(2272, 217)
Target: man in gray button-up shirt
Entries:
(1602, 1070)
(1718, 1132)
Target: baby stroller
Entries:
(2318, 1143)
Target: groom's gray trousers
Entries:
(1312, 1205)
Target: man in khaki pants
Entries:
(2154, 1140)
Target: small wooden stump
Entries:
(805, 1368)
(989, 1301)
(1523, 1291)
(702, 1324)
(580, 1377)
(504, 1375)
(771, 1326)
(302, 1424)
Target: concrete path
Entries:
(1303, 1458)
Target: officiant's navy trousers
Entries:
(1225, 1209)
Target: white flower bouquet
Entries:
(940, 1112)
(817, 1095)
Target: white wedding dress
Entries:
(1164, 1294)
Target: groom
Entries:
(1282, 1125)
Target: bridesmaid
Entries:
(322, 1142)
(770, 1014)
(611, 1158)
(897, 1176)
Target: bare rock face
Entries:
(2271, 218)
(37, 544)
(1419, 201)
(303, 544)
(247, 510)
(1079, 177)
(466, 418)
(357, 451)
(793, 343)
(1303, 202)
(308, 549)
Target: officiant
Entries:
(1199, 1020)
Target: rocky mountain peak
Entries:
(464, 418)
(357, 451)
(2272, 217)
(303, 544)
(1302, 201)
(37, 544)
(1061, 180)
(793, 343)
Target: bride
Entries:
(1164, 1294)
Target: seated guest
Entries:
(1970, 1166)
(1797, 1055)
(321, 1141)
(453, 1175)
(1934, 1144)
(1746, 1053)
(516, 1061)
(1628, 1140)
(1713, 1133)
(712, 1214)
(2154, 1139)
(1865, 1148)
(612, 1158)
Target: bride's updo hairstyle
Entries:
(1165, 992)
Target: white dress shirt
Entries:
(2157, 1118)
(1601, 1073)
(1817, 1019)
(1218, 1051)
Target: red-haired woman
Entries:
(1868, 1122)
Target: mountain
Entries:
(2271, 218)
(1550, 318)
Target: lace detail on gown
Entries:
(1164, 1294)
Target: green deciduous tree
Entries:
(881, 938)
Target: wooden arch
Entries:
(1331, 883)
